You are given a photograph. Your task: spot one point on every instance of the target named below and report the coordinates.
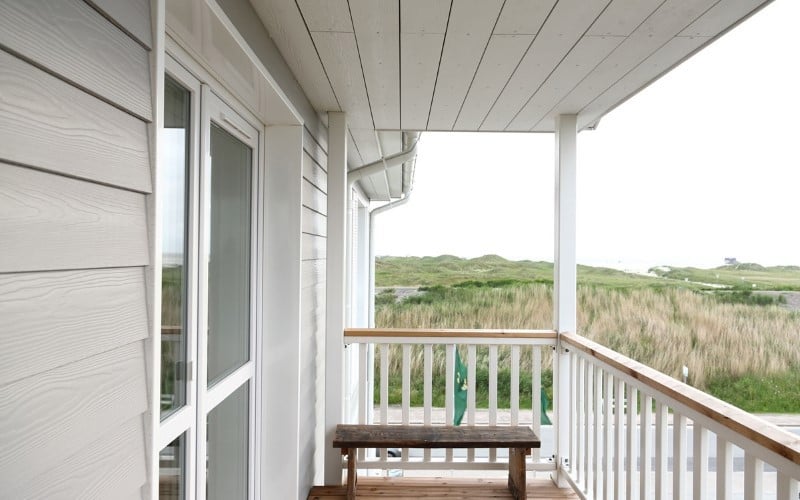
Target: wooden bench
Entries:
(518, 440)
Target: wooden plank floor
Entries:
(439, 488)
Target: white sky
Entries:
(704, 164)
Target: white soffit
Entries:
(490, 65)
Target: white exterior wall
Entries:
(74, 246)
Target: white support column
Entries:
(564, 276)
(280, 344)
(336, 276)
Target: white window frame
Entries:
(207, 107)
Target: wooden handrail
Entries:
(737, 420)
(449, 333)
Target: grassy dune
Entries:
(746, 354)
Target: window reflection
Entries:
(172, 470)
(173, 179)
(229, 254)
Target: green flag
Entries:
(460, 390)
(545, 404)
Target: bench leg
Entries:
(516, 473)
(352, 474)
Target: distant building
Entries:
(731, 261)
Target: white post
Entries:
(336, 276)
(280, 367)
(564, 277)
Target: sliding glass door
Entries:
(208, 189)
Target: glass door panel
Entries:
(229, 260)
(173, 183)
(227, 441)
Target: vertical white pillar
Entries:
(564, 278)
(279, 466)
(336, 276)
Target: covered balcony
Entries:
(616, 429)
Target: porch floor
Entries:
(439, 488)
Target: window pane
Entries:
(172, 470)
(228, 433)
(229, 254)
(173, 178)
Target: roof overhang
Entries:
(482, 65)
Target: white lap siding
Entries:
(75, 173)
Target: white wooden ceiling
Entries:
(483, 65)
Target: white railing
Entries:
(432, 346)
(621, 417)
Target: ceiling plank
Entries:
(376, 25)
(564, 27)
(354, 159)
(424, 16)
(367, 144)
(286, 27)
(326, 15)
(721, 16)
(339, 55)
(584, 57)
(501, 57)
(391, 143)
(419, 63)
(622, 17)
(471, 23)
(658, 63)
(659, 27)
(523, 17)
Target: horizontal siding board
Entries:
(112, 466)
(317, 145)
(132, 15)
(313, 222)
(50, 222)
(51, 125)
(313, 198)
(73, 40)
(314, 174)
(55, 318)
(313, 247)
(53, 415)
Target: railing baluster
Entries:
(700, 462)
(787, 488)
(514, 385)
(609, 436)
(579, 456)
(587, 395)
(427, 391)
(753, 477)
(536, 401)
(724, 469)
(406, 398)
(662, 427)
(678, 455)
(471, 381)
(631, 404)
(384, 390)
(619, 440)
(646, 446)
(493, 395)
(598, 432)
(364, 405)
(573, 412)
(450, 363)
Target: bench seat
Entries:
(518, 439)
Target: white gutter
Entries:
(384, 164)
